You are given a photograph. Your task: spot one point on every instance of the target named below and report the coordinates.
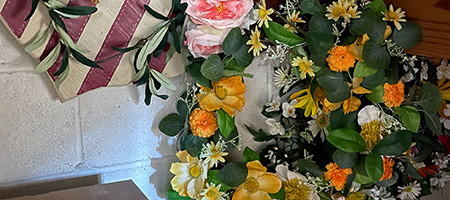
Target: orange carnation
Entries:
(227, 94)
(337, 175)
(203, 123)
(394, 94)
(341, 58)
(388, 163)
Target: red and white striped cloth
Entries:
(117, 23)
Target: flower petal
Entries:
(269, 182)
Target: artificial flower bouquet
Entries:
(356, 117)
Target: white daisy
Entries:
(400, 167)
(273, 106)
(319, 123)
(446, 120)
(380, 194)
(410, 192)
(275, 127)
(289, 110)
(444, 69)
(213, 153)
(282, 79)
(212, 192)
(424, 72)
(296, 185)
(368, 114)
(441, 160)
(440, 179)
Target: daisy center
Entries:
(370, 132)
(195, 171)
(211, 194)
(251, 185)
(408, 189)
(295, 190)
(392, 15)
(220, 92)
(322, 121)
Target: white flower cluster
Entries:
(318, 183)
(390, 124)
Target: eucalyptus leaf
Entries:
(363, 70)
(377, 94)
(213, 177)
(225, 122)
(194, 70)
(212, 68)
(375, 55)
(345, 160)
(172, 124)
(364, 24)
(49, 60)
(233, 174)
(374, 166)
(410, 117)
(310, 6)
(249, 155)
(234, 41)
(394, 144)
(409, 36)
(336, 88)
(433, 123)
(429, 98)
(306, 166)
(319, 23)
(194, 144)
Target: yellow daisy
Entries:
(306, 101)
(213, 153)
(264, 14)
(338, 9)
(293, 19)
(353, 13)
(394, 16)
(212, 192)
(304, 66)
(255, 43)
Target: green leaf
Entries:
(319, 23)
(67, 40)
(345, 160)
(125, 50)
(212, 68)
(363, 70)
(377, 94)
(233, 174)
(324, 196)
(429, 98)
(433, 123)
(213, 177)
(39, 41)
(82, 59)
(374, 166)
(174, 195)
(305, 166)
(182, 108)
(249, 155)
(57, 20)
(409, 36)
(347, 140)
(64, 63)
(194, 70)
(230, 73)
(162, 79)
(176, 38)
(150, 46)
(280, 195)
(148, 94)
(49, 60)
(336, 88)
(226, 122)
(410, 117)
(377, 6)
(310, 6)
(259, 136)
(243, 57)
(194, 144)
(375, 55)
(34, 4)
(276, 32)
(154, 13)
(364, 24)
(377, 32)
(375, 80)
(234, 41)
(411, 171)
(231, 64)
(172, 124)
(362, 179)
(319, 44)
(389, 182)
(78, 10)
(340, 120)
(394, 144)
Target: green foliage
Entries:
(34, 4)
(281, 195)
(409, 36)
(306, 166)
(78, 10)
(249, 155)
(319, 23)
(336, 88)
(394, 144)
(310, 6)
(374, 166)
(411, 171)
(213, 177)
(374, 80)
(377, 94)
(347, 140)
(364, 24)
(259, 136)
(429, 98)
(212, 68)
(154, 13)
(226, 122)
(235, 45)
(276, 32)
(376, 55)
(172, 124)
(194, 144)
(376, 34)
(377, 6)
(390, 182)
(363, 70)
(319, 44)
(340, 120)
(433, 123)
(410, 117)
(345, 160)
(39, 41)
(49, 60)
(233, 174)
(173, 195)
(194, 70)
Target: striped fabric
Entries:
(117, 23)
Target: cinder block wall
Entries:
(108, 131)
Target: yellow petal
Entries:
(210, 102)
(352, 104)
(241, 194)
(260, 195)
(256, 165)
(361, 90)
(332, 106)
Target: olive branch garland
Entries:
(57, 11)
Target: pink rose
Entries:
(220, 14)
(204, 41)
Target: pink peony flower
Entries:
(204, 40)
(220, 14)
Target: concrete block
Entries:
(118, 128)
(13, 57)
(37, 132)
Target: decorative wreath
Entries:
(356, 118)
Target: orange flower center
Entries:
(392, 15)
(220, 8)
(195, 171)
(251, 185)
(211, 194)
(220, 92)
